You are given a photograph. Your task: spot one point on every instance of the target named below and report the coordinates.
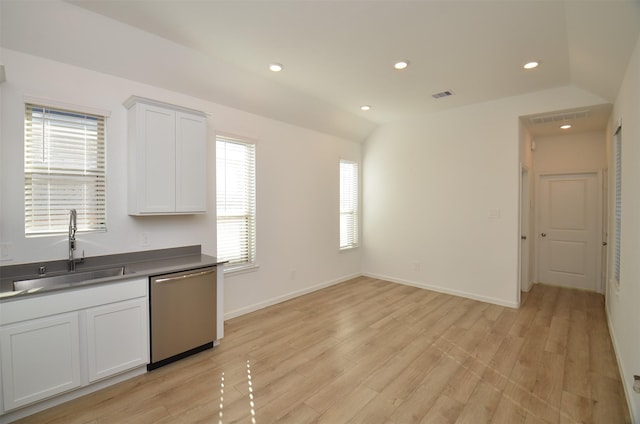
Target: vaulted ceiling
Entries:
(339, 55)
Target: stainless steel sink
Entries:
(69, 279)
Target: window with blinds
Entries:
(64, 168)
(348, 204)
(618, 205)
(236, 202)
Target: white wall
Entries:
(622, 303)
(441, 203)
(569, 153)
(297, 186)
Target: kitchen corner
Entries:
(95, 333)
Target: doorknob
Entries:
(543, 234)
(604, 243)
(523, 237)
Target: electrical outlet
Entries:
(144, 239)
(5, 251)
(416, 266)
(293, 274)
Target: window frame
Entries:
(53, 127)
(617, 216)
(353, 235)
(234, 266)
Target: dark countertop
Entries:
(137, 264)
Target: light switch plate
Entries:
(493, 213)
(5, 251)
(144, 239)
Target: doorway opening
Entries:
(566, 168)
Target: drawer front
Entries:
(38, 306)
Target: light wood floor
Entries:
(370, 351)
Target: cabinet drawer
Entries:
(38, 306)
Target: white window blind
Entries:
(64, 167)
(348, 204)
(236, 202)
(618, 205)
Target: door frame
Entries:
(599, 210)
(525, 226)
(604, 254)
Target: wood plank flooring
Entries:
(370, 351)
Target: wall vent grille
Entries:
(559, 117)
(442, 94)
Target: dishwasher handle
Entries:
(183, 276)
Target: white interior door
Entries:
(568, 230)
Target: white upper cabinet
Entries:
(167, 158)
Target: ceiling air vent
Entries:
(558, 117)
(442, 94)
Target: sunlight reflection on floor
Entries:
(252, 410)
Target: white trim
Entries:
(237, 270)
(621, 367)
(132, 100)
(291, 295)
(358, 203)
(445, 290)
(524, 285)
(288, 296)
(250, 146)
(67, 106)
(236, 137)
(578, 171)
(348, 248)
(74, 394)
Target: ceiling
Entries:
(339, 55)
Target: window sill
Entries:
(347, 249)
(240, 269)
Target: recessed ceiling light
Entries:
(531, 65)
(275, 67)
(565, 126)
(401, 65)
(365, 107)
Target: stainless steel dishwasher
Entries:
(182, 314)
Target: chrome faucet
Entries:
(72, 238)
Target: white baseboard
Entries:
(273, 301)
(621, 368)
(57, 400)
(440, 289)
(285, 297)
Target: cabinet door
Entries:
(40, 358)
(157, 169)
(191, 163)
(117, 337)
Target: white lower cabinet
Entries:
(56, 343)
(116, 338)
(40, 359)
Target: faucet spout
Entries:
(72, 238)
